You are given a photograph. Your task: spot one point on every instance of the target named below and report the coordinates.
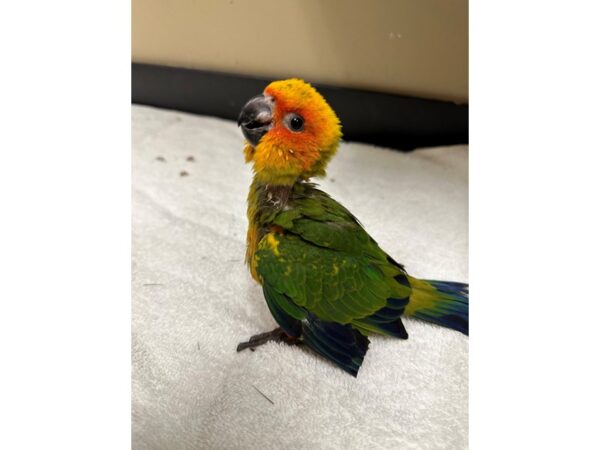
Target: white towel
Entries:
(193, 301)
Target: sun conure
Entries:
(325, 280)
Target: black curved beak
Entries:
(256, 118)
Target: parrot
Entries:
(326, 282)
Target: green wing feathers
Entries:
(336, 286)
(329, 284)
(339, 343)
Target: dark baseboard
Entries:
(387, 120)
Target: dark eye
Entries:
(296, 123)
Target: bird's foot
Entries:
(277, 335)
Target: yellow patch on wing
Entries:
(273, 243)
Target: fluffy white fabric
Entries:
(193, 301)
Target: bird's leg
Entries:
(277, 335)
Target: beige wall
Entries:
(416, 47)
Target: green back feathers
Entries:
(325, 262)
(329, 284)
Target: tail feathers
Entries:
(444, 303)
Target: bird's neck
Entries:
(264, 200)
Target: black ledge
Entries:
(387, 120)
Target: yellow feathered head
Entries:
(291, 132)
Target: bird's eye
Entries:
(296, 122)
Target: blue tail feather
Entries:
(451, 308)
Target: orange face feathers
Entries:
(297, 140)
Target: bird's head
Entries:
(291, 132)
